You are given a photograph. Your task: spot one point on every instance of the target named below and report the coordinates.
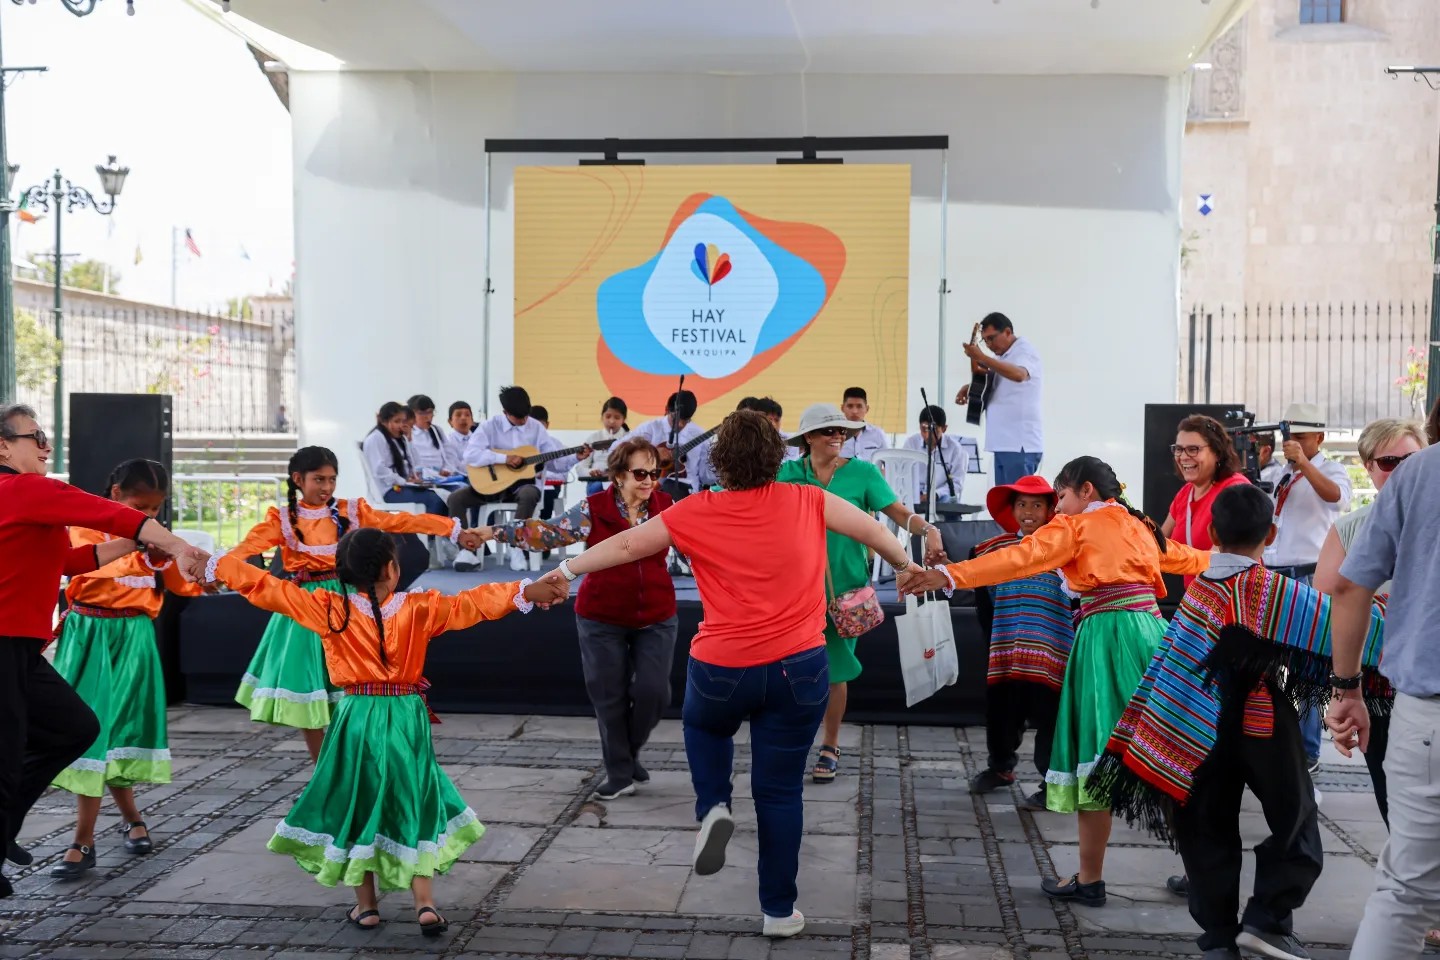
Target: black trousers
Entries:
(627, 675)
(1009, 709)
(1375, 761)
(523, 493)
(1207, 830)
(44, 726)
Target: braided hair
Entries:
(360, 561)
(1101, 476)
(398, 461)
(306, 460)
(138, 476)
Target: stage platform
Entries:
(531, 664)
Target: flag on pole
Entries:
(138, 256)
(23, 211)
(190, 243)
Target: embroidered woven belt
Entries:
(1130, 597)
(105, 612)
(382, 689)
(313, 576)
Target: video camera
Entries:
(1246, 437)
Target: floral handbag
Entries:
(854, 612)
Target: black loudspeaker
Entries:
(109, 428)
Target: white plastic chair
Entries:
(491, 515)
(902, 469)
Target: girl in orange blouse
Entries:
(1113, 556)
(107, 653)
(285, 683)
(378, 807)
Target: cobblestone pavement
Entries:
(900, 862)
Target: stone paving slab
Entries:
(899, 861)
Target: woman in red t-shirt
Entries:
(757, 549)
(1206, 460)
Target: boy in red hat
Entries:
(1030, 628)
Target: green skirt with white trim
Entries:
(378, 802)
(113, 664)
(287, 683)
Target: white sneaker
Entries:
(784, 926)
(467, 561)
(519, 561)
(715, 832)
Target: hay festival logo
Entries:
(727, 293)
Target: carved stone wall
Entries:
(1219, 93)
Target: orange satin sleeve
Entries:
(489, 601)
(1052, 546)
(176, 583)
(270, 593)
(391, 522)
(264, 536)
(1184, 559)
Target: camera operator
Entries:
(1271, 466)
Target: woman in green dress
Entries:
(823, 431)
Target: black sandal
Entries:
(354, 918)
(74, 869)
(139, 845)
(826, 766)
(432, 929)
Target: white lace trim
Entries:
(145, 559)
(521, 604)
(137, 583)
(289, 696)
(293, 543)
(948, 579)
(1100, 504)
(410, 856)
(388, 609)
(455, 532)
(312, 513)
(120, 753)
(212, 564)
(1071, 779)
(352, 510)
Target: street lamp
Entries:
(65, 196)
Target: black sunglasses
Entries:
(830, 432)
(43, 441)
(1387, 464)
(642, 475)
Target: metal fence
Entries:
(1360, 361)
(227, 375)
(224, 507)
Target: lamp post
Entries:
(64, 196)
(1431, 76)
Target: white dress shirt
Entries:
(599, 460)
(427, 452)
(1272, 472)
(1012, 418)
(1302, 519)
(380, 463)
(865, 444)
(954, 457)
(455, 449)
(498, 433)
(657, 431)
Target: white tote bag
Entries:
(927, 647)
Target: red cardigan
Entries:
(35, 546)
(632, 595)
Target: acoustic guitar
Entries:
(498, 477)
(982, 385)
(669, 458)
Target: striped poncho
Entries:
(1228, 637)
(1032, 629)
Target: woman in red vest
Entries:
(626, 615)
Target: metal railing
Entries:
(226, 507)
(1357, 360)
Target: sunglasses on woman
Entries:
(42, 441)
(1387, 464)
(829, 432)
(642, 475)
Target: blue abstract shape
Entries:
(618, 300)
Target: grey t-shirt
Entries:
(1400, 542)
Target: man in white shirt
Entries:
(1272, 468)
(508, 430)
(772, 411)
(950, 458)
(1013, 433)
(462, 421)
(868, 442)
(1311, 493)
(679, 411)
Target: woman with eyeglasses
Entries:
(46, 725)
(1206, 460)
(625, 615)
(823, 432)
(1383, 446)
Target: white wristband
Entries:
(565, 571)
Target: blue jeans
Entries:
(427, 498)
(784, 702)
(1011, 466)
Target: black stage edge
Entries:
(531, 664)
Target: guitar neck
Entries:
(557, 454)
(689, 445)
